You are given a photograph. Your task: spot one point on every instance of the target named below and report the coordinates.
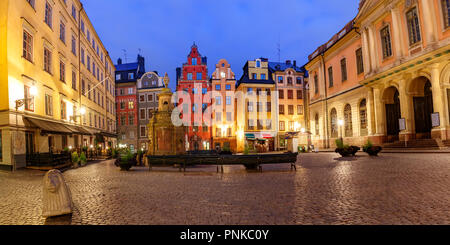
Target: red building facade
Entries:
(194, 81)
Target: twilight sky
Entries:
(237, 30)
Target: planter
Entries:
(348, 151)
(125, 166)
(373, 151)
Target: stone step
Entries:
(422, 143)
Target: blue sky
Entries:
(237, 30)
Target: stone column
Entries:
(373, 49)
(406, 108)
(379, 113)
(370, 113)
(397, 32)
(429, 19)
(365, 50)
(438, 103)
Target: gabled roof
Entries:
(281, 66)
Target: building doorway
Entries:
(393, 114)
(423, 108)
(29, 145)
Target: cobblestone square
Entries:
(325, 189)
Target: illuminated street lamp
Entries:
(21, 102)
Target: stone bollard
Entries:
(57, 199)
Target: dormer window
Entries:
(194, 61)
(258, 63)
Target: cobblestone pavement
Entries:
(325, 189)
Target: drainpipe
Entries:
(79, 70)
(326, 100)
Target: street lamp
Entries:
(21, 102)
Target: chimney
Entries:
(204, 60)
(119, 61)
(295, 63)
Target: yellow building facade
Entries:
(256, 108)
(384, 77)
(56, 82)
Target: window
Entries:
(74, 80)
(299, 80)
(446, 12)
(74, 46)
(363, 117)
(290, 94)
(89, 91)
(359, 61)
(299, 110)
(330, 76)
(48, 14)
(250, 106)
(251, 124)
(118, 76)
(47, 60)
(143, 114)
(281, 109)
(291, 126)
(88, 63)
(268, 124)
(291, 109)
(289, 81)
(150, 97)
(268, 93)
(280, 79)
(228, 87)
(83, 87)
(88, 36)
(218, 88)
(82, 56)
(130, 119)
(143, 129)
(27, 46)
(263, 76)
(316, 84)
(258, 91)
(62, 32)
(281, 94)
(344, 69)
(269, 107)
(299, 94)
(130, 105)
(48, 105)
(386, 42)
(195, 91)
(258, 63)
(228, 100)
(218, 116)
(199, 76)
(194, 61)
(229, 117)
(62, 72)
(189, 76)
(130, 91)
(29, 99)
(334, 125)
(204, 90)
(348, 121)
(130, 75)
(63, 110)
(150, 113)
(141, 98)
(74, 12)
(254, 76)
(413, 26)
(282, 126)
(259, 106)
(82, 26)
(260, 124)
(123, 120)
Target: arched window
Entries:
(363, 117)
(334, 123)
(348, 121)
(317, 124)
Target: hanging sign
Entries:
(402, 124)
(435, 120)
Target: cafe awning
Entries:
(47, 126)
(250, 136)
(78, 130)
(108, 134)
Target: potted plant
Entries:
(126, 160)
(83, 159)
(370, 149)
(246, 150)
(346, 150)
(75, 160)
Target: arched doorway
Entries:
(393, 113)
(423, 106)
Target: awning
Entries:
(78, 130)
(108, 134)
(267, 136)
(47, 126)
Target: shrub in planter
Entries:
(346, 150)
(83, 159)
(126, 160)
(372, 150)
(75, 160)
(246, 150)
